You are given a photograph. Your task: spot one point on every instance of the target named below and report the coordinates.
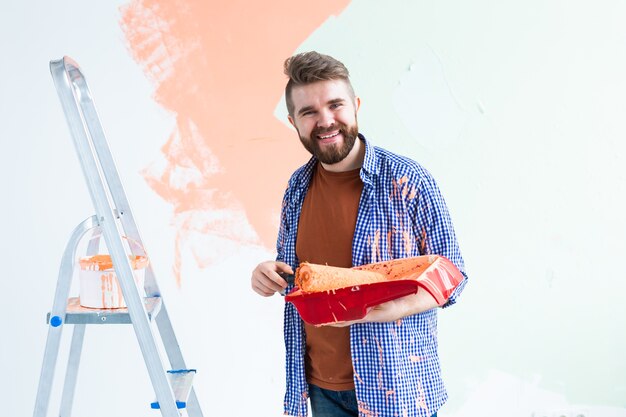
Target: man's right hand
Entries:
(265, 278)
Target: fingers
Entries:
(283, 267)
(262, 289)
(265, 280)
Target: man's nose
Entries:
(326, 118)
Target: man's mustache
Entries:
(322, 130)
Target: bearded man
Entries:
(351, 204)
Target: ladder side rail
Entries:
(170, 343)
(71, 96)
(113, 181)
(62, 79)
(193, 406)
(140, 321)
(175, 356)
(116, 190)
(71, 373)
(78, 337)
(57, 317)
(104, 154)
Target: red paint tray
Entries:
(435, 274)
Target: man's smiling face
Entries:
(324, 114)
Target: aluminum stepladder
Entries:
(114, 220)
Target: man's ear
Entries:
(357, 103)
(291, 120)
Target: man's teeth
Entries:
(328, 136)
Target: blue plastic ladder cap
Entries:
(56, 321)
(179, 404)
(180, 371)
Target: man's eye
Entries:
(335, 105)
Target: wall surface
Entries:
(515, 107)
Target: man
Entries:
(354, 204)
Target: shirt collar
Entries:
(370, 166)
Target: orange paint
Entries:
(104, 262)
(408, 242)
(387, 394)
(217, 66)
(365, 410)
(108, 286)
(354, 368)
(380, 358)
(401, 189)
(421, 397)
(413, 193)
(375, 246)
(358, 377)
(103, 288)
(177, 259)
(120, 294)
(395, 336)
(402, 268)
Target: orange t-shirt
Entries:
(325, 234)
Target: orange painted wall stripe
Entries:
(218, 67)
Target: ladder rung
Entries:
(76, 314)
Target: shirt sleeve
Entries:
(282, 229)
(437, 236)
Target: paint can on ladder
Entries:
(99, 287)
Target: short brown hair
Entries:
(310, 67)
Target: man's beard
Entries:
(331, 154)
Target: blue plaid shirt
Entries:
(401, 214)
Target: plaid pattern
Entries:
(401, 214)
